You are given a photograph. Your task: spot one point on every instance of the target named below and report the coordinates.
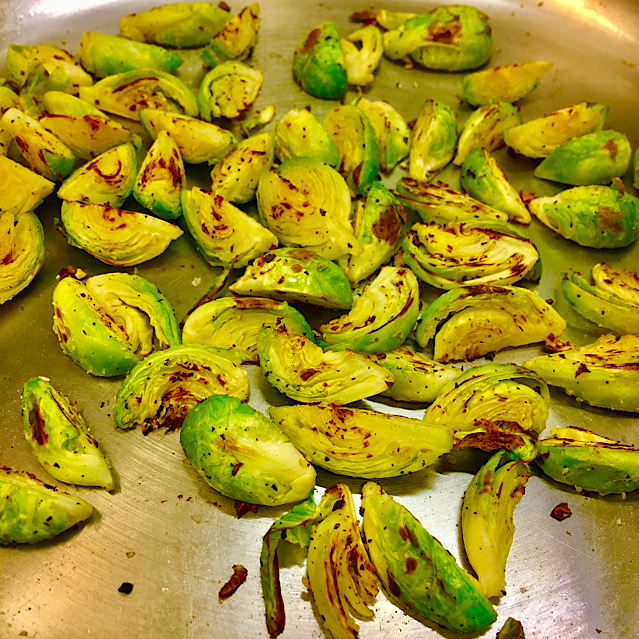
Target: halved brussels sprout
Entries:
(378, 224)
(161, 178)
(59, 437)
(418, 574)
(228, 90)
(619, 282)
(362, 443)
(506, 83)
(197, 140)
(115, 236)
(300, 369)
(382, 317)
(487, 520)
(236, 175)
(449, 38)
(31, 511)
(296, 275)
(588, 461)
(485, 128)
(363, 50)
(472, 321)
(492, 392)
(483, 179)
(307, 203)
(107, 179)
(224, 234)
(604, 373)
(593, 158)
(596, 216)
(21, 190)
(319, 64)
(103, 54)
(539, 137)
(236, 39)
(470, 252)
(21, 252)
(124, 94)
(234, 322)
(433, 140)
(185, 24)
(243, 454)
(162, 389)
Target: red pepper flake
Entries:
(561, 511)
(237, 579)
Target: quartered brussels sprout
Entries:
(31, 511)
(21, 190)
(596, 216)
(162, 389)
(471, 321)
(539, 137)
(449, 38)
(61, 103)
(300, 134)
(234, 322)
(300, 369)
(356, 143)
(319, 64)
(228, 90)
(363, 50)
(382, 317)
(59, 437)
(224, 234)
(620, 282)
(378, 224)
(362, 443)
(604, 373)
(42, 150)
(487, 520)
(107, 179)
(161, 178)
(485, 128)
(593, 158)
(470, 252)
(21, 252)
(243, 454)
(437, 202)
(236, 175)
(506, 83)
(115, 236)
(103, 54)
(8, 100)
(433, 140)
(198, 141)
(124, 94)
(483, 179)
(296, 275)
(236, 39)
(185, 24)
(418, 574)
(307, 203)
(391, 19)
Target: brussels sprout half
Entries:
(31, 511)
(418, 574)
(363, 50)
(21, 190)
(619, 282)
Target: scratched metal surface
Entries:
(163, 530)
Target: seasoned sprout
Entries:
(162, 389)
(21, 190)
(363, 50)
(8, 100)
(32, 511)
(362, 443)
(619, 282)
(59, 437)
(61, 103)
(243, 454)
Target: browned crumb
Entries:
(236, 580)
(561, 511)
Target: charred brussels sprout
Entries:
(31, 511)
(59, 437)
(162, 389)
(363, 50)
(300, 369)
(243, 454)
(418, 574)
(382, 317)
(319, 64)
(362, 443)
(604, 373)
(296, 275)
(21, 190)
